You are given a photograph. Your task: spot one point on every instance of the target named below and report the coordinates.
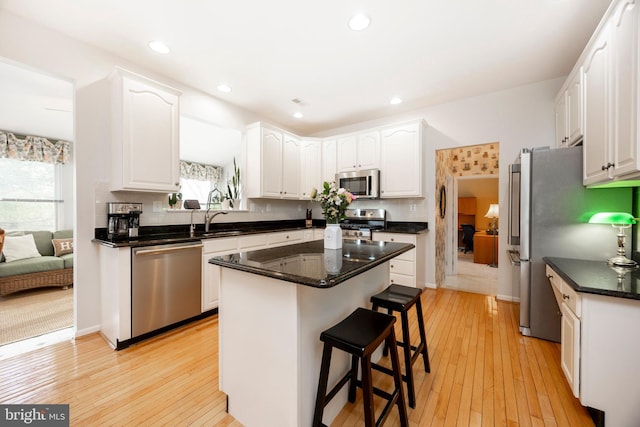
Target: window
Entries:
(29, 196)
(194, 189)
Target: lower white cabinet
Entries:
(211, 272)
(115, 294)
(570, 304)
(281, 238)
(599, 350)
(408, 268)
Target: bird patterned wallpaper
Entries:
(475, 160)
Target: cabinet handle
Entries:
(176, 184)
(607, 166)
(391, 265)
(392, 239)
(565, 296)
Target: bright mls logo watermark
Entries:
(34, 415)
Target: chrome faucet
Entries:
(207, 219)
(192, 227)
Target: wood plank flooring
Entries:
(483, 373)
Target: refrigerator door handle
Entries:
(525, 297)
(525, 206)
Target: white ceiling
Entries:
(425, 51)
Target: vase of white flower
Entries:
(334, 202)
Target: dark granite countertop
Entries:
(597, 277)
(406, 227)
(158, 235)
(310, 264)
(164, 234)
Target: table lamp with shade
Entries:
(493, 213)
(621, 220)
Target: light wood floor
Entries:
(483, 373)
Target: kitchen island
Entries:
(274, 303)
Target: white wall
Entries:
(520, 117)
(516, 118)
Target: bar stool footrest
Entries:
(338, 386)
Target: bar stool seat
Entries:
(401, 298)
(360, 334)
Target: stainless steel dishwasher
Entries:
(165, 285)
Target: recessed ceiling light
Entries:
(223, 87)
(395, 101)
(298, 115)
(159, 47)
(359, 22)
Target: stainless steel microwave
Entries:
(364, 184)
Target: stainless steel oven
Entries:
(364, 184)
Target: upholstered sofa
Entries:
(39, 271)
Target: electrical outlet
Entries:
(157, 206)
(268, 207)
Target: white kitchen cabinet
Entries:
(329, 160)
(115, 294)
(569, 111)
(290, 166)
(598, 357)
(407, 268)
(359, 151)
(597, 110)
(145, 115)
(402, 160)
(211, 272)
(281, 238)
(610, 81)
(273, 163)
(310, 166)
(624, 58)
(570, 304)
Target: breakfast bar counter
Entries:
(274, 303)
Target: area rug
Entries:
(33, 313)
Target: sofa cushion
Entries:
(19, 247)
(62, 246)
(43, 241)
(63, 234)
(31, 265)
(68, 260)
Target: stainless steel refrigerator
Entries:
(549, 210)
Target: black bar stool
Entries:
(359, 335)
(401, 298)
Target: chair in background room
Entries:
(468, 231)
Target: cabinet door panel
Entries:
(561, 120)
(291, 167)
(597, 127)
(347, 154)
(329, 160)
(401, 163)
(310, 155)
(574, 109)
(625, 60)
(271, 163)
(570, 348)
(368, 152)
(149, 138)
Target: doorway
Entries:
(472, 180)
(36, 104)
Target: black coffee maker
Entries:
(123, 219)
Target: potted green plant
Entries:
(175, 200)
(233, 187)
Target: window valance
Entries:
(199, 171)
(34, 148)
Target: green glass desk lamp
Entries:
(621, 220)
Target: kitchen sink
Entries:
(221, 233)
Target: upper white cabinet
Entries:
(145, 154)
(329, 159)
(291, 166)
(597, 111)
(624, 58)
(359, 151)
(608, 68)
(310, 166)
(569, 112)
(273, 163)
(401, 160)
